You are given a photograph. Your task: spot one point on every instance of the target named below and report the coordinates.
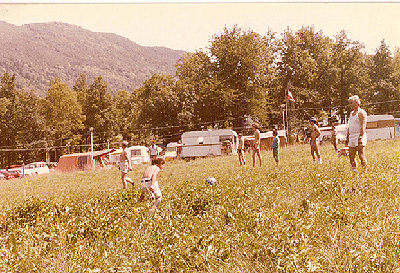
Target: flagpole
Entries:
(287, 118)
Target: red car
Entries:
(9, 174)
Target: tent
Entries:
(82, 161)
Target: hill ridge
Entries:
(67, 51)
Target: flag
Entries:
(290, 96)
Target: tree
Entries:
(243, 72)
(126, 113)
(63, 114)
(99, 111)
(305, 67)
(381, 73)
(350, 71)
(158, 99)
(29, 124)
(195, 80)
(396, 77)
(8, 129)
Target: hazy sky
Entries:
(190, 26)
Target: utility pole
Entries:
(283, 106)
(91, 145)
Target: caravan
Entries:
(208, 143)
(378, 127)
(139, 155)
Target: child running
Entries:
(125, 164)
(150, 183)
(275, 146)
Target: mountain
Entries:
(37, 53)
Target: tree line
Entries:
(242, 76)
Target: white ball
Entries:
(211, 180)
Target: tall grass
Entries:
(295, 217)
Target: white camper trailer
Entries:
(139, 154)
(378, 127)
(209, 143)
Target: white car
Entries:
(36, 168)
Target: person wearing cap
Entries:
(315, 133)
(125, 164)
(356, 138)
(240, 150)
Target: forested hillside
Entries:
(37, 53)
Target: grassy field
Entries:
(295, 217)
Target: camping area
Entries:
(294, 217)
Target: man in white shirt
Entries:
(356, 135)
(153, 150)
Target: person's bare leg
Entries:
(142, 195)
(157, 203)
(312, 153)
(123, 175)
(276, 157)
(259, 157)
(241, 158)
(318, 153)
(361, 155)
(352, 156)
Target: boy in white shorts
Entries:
(150, 183)
(125, 164)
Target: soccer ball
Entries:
(211, 181)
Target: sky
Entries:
(191, 26)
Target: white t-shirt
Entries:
(153, 150)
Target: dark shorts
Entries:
(275, 151)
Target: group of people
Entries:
(149, 182)
(356, 141)
(356, 138)
(257, 146)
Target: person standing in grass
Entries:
(356, 136)
(240, 150)
(275, 146)
(334, 138)
(257, 144)
(315, 133)
(153, 150)
(150, 183)
(125, 164)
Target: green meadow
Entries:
(295, 217)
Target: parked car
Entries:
(170, 151)
(36, 168)
(9, 174)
